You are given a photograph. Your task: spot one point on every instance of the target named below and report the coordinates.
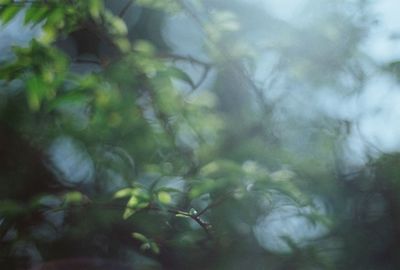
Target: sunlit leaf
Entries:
(118, 26)
(128, 213)
(95, 8)
(164, 197)
(36, 88)
(144, 47)
(123, 193)
(73, 197)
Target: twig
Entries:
(206, 65)
(215, 203)
(187, 58)
(125, 8)
(195, 217)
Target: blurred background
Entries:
(187, 134)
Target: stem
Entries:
(125, 8)
(113, 206)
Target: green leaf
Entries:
(140, 237)
(118, 26)
(138, 200)
(205, 186)
(95, 8)
(182, 216)
(123, 193)
(123, 44)
(144, 47)
(128, 213)
(154, 247)
(8, 13)
(169, 190)
(68, 99)
(73, 197)
(35, 14)
(35, 92)
(180, 75)
(133, 202)
(164, 197)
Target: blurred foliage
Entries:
(114, 156)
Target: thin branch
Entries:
(203, 77)
(187, 58)
(114, 206)
(215, 203)
(205, 65)
(125, 8)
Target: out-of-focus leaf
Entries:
(164, 5)
(36, 88)
(182, 216)
(144, 47)
(117, 26)
(154, 247)
(145, 246)
(139, 199)
(146, 243)
(73, 197)
(128, 213)
(35, 14)
(67, 99)
(205, 186)
(10, 208)
(140, 237)
(177, 73)
(164, 197)
(7, 13)
(123, 193)
(95, 8)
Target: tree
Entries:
(119, 149)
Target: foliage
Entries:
(111, 150)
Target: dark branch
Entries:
(125, 8)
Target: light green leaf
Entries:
(140, 237)
(35, 92)
(73, 197)
(164, 197)
(95, 8)
(35, 14)
(133, 202)
(9, 12)
(128, 213)
(144, 47)
(123, 193)
(118, 26)
(177, 73)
